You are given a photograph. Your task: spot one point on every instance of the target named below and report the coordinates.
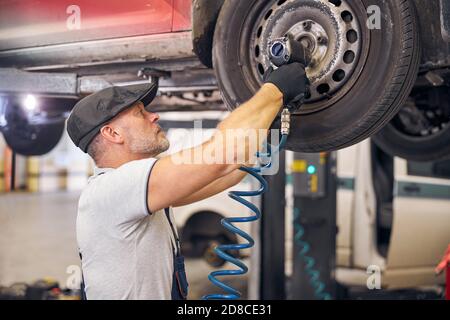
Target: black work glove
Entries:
(291, 80)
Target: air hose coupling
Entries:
(285, 122)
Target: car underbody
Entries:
(182, 62)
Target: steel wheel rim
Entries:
(260, 25)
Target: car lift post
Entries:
(272, 236)
(315, 183)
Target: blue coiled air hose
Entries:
(310, 262)
(220, 250)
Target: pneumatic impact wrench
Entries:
(283, 51)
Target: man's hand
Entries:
(290, 79)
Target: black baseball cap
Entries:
(91, 113)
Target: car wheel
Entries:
(421, 129)
(27, 138)
(210, 255)
(360, 77)
(35, 140)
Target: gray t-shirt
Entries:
(126, 250)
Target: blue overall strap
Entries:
(177, 250)
(180, 284)
(82, 284)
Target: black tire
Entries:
(395, 143)
(408, 143)
(210, 255)
(380, 83)
(200, 230)
(30, 139)
(35, 140)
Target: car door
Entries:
(421, 222)
(346, 169)
(182, 17)
(30, 23)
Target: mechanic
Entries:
(128, 244)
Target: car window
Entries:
(439, 169)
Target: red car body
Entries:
(25, 23)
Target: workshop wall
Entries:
(64, 168)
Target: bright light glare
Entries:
(30, 103)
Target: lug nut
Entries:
(307, 25)
(322, 41)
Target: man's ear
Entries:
(111, 134)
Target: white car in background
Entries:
(393, 217)
(392, 214)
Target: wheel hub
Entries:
(328, 28)
(313, 36)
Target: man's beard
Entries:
(151, 146)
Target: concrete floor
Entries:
(37, 240)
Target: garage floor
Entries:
(37, 239)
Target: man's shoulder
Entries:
(116, 184)
(135, 165)
(130, 167)
(127, 170)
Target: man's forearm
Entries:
(257, 113)
(190, 170)
(213, 188)
(248, 125)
